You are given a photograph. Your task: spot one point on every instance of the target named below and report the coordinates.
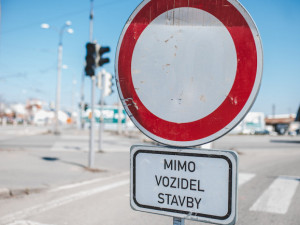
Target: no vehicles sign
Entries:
(188, 71)
(192, 184)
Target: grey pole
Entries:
(120, 112)
(83, 74)
(178, 221)
(101, 124)
(82, 100)
(93, 83)
(57, 102)
(91, 20)
(91, 152)
(73, 100)
(59, 67)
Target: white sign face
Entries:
(193, 184)
(187, 72)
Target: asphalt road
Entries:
(269, 177)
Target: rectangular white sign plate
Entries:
(195, 184)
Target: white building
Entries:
(252, 123)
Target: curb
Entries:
(8, 193)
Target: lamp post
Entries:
(60, 31)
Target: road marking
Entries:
(26, 222)
(59, 202)
(245, 177)
(277, 198)
(70, 186)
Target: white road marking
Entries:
(245, 177)
(26, 222)
(69, 186)
(59, 202)
(277, 198)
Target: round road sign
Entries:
(188, 71)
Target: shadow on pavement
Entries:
(52, 159)
(285, 141)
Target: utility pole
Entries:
(57, 102)
(59, 67)
(273, 110)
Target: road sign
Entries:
(188, 71)
(191, 184)
(110, 114)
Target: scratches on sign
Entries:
(130, 102)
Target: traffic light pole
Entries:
(91, 20)
(94, 59)
(91, 145)
(101, 122)
(93, 83)
(83, 75)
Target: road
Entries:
(269, 177)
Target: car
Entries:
(262, 132)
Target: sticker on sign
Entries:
(187, 72)
(186, 183)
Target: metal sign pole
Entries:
(178, 221)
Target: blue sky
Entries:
(28, 54)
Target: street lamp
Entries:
(64, 28)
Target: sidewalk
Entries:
(43, 161)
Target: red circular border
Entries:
(238, 95)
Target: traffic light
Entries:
(85, 106)
(102, 60)
(94, 57)
(90, 59)
(107, 89)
